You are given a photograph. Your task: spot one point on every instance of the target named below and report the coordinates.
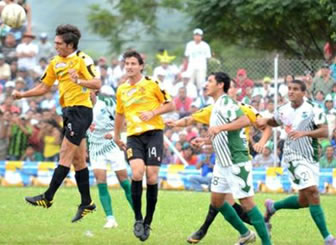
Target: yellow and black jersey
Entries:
(252, 115)
(132, 100)
(203, 115)
(70, 93)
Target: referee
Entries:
(76, 75)
(141, 101)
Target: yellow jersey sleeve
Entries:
(161, 93)
(49, 76)
(250, 112)
(87, 67)
(203, 115)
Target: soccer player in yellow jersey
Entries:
(203, 116)
(76, 75)
(141, 101)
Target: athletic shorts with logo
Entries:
(147, 146)
(236, 179)
(115, 158)
(76, 121)
(303, 173)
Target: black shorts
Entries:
(76, 121)
(147, 146)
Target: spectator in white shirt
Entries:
(190, 87)
(168, 70)
(4, 70)
(45, 48)
(197, 53)
(27, 52)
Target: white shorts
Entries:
(116, 158)
(303, 173)
(236, 179)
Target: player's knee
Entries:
(152, 180)
(247, 204)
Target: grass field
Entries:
(178, 214)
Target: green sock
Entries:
(126, 185)
(258, 222)
(232, 217)
(105, 199)
(291, 202)
(318, 216)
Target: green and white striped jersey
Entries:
(228, 145)
(304, 118)
(103, 123)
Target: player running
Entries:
(103, 151)
(232, 162)
(304, 123)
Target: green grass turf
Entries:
(178, 214)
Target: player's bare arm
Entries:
(183, 122)
(118, 123)
(40, 89)
(94, 83)
(320, 132)
(239, 123)
(266, 135)
(164, 108)
(263, 122)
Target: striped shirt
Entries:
(228, 145)
(304, 118)
(103, 123)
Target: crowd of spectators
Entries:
(31, 129)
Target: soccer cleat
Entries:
(146, 233)
(39, 200)
(138, 228)
(250, 238)
(111, 223)
(331, 241)
(82, 211)
(269, 210)
(196, 237)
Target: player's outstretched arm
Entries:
(239, 123)
(261, 123)
(266, 135)
(36, 91)
(183, 122)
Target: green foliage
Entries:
(296, 28)
(178, 214)
(127, 20)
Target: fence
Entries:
(173, 177)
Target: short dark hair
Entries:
(303, 86)
(222, 77)
(69, 34)
(134, 54)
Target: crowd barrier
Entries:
(174, 177)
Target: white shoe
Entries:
(250, 238)
(111, 223)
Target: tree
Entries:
(128, 20)
(297, 28)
